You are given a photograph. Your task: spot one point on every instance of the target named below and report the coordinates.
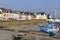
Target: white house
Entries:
(6, 14)
(23, 17)
(40, 16)
(37, 16)
(44, 16)
(29, 17)
(16, 17)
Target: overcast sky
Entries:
(32, 5)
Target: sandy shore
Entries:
(7, 35)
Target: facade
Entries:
(25, 16)
(29, 17)
(7, 14)
(16, 16)
(44, 16)
(40, 15)
(22, 16)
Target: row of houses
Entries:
(8, 14)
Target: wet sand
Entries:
(7, 35)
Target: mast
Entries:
(55, 13)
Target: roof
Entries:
(8, 10)
(3, 9)
(27, 13)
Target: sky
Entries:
(47, 6)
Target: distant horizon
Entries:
(47, 6)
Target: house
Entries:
(10, 16)
(32, 15)
(6, 14)
(40, 15)
(16, 16)
(3, 10)
(28, 15)
(22, 16)
(25, 15)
